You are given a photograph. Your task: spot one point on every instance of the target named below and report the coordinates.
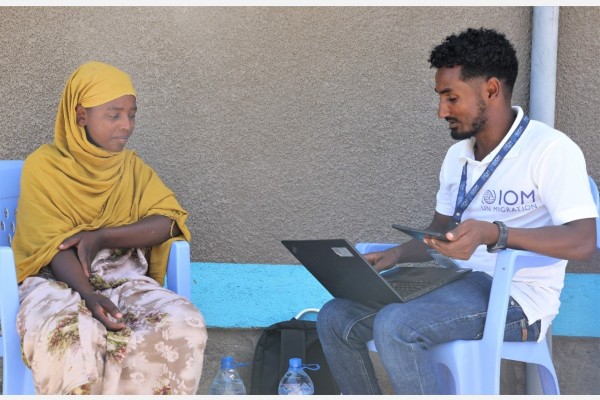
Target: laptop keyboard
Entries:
(407, 287)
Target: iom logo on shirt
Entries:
(508, 201)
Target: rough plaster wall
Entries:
(268, 123)
(578, 80)
(577, 94)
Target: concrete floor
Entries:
(577, 363)
(576, 360)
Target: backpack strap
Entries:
(292, 346)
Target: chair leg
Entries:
(548, 380)
(445, 380)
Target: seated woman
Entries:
(94, 229)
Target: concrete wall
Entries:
(287, 122)
(268, 123)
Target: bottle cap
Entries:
(296, 363)
(227, 362)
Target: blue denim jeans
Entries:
(404, 331)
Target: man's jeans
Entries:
(404, 331)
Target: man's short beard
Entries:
(477, 125)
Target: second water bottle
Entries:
(296, 381)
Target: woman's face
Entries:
(109, 125)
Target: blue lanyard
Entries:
(462, 200)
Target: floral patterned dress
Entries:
(70, 352)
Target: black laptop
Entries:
(343, 271)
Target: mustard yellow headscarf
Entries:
(72, 185)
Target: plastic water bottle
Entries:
(227, 381)
(296, 381)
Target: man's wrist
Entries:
(502, 241)
(397, 252)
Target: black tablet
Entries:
(420, 233)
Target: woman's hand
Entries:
(88, 244)
(104, 310)
(68, 268)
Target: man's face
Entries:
(111, 124)
(461, 103)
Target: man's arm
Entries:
(575, 240)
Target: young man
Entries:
(534, 195)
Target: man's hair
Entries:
(481, 53)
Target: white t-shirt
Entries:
(542, 181)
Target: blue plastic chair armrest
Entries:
(508, 263)
(9, 305)
(364, 248)
(16, 376)
(178, 269)
(596, 197)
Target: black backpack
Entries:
(280, 342)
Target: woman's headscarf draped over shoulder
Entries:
(72, 185)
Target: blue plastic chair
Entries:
(17, 378)
(473, 366)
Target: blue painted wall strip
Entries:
(253, 295)
(580, 304)
(258, 295)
